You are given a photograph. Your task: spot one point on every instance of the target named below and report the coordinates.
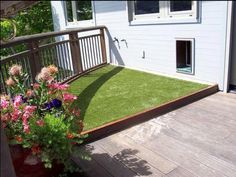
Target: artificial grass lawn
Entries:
(110, 93)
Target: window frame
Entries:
(164, 15)
(192, 40)
(82, 23)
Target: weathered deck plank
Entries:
(195, 140)
(158, 161)
(128, 157)
(180, 172)
(109, 162)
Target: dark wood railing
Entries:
(73, 51)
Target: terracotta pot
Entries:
(27, 165)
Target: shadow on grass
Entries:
(85, 97)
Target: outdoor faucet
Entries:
(124, 40)
(116, 40)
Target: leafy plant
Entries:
(44, 118)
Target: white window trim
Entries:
(165, 16)
(82, 23)
(192, 56)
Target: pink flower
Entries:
(26, 126)
(52, 69)
(10, 82)
(40, 123)
(26, 129)
(44, 75)
(35, 86)
(5, 117)
(67, 97)
(4, 103)
(58, 86)
(30, 109)
(16, 114)
(29, 93)
(15, 70)
(17, 101)
(26, 116)
(19, 139)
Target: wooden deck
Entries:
(196, 140)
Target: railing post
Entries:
(103, 46)
(75, 53)
(34, 61)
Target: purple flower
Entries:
(56, 103)
(24, 99)
(48, 106)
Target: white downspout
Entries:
(227, 46)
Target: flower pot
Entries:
(28, 165)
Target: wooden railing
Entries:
(73, 51)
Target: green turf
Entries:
(111, 93)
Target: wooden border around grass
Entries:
(128, 121)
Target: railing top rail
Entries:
(28, 38)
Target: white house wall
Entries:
(158, 40)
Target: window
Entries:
(78, 11)
(164, 11)
(184, 55)
(180, 6)
(69, 11)
(142, 7)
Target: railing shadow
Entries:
(88, 93)
(114, 52)
(124, 163)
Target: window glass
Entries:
(146, 7)
(69, 11)
(180, 6)
(84, 10)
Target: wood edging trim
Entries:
(128, 121)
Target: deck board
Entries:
(195, 140)
(128, 157)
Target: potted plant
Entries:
(41, 123)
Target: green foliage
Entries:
(85, 10)
(36, 19)
(55, 144)
(6, 29)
